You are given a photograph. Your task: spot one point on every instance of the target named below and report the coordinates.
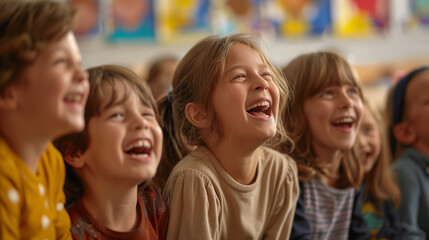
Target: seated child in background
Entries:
(160, 76)
(408, 112)
(324, 121)
(225, 100)
(43, 90)
(381, 195)
(119, 149)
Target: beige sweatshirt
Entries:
(207, 203)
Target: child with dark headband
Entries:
(408, 111)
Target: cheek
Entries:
(157, 135)
(359, 110)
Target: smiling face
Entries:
(369, 141)
(53, 90)
(125, 139)
(246, 100)
(334, 115)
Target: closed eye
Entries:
(266, 75)
(240, 76)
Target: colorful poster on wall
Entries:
(182, 19)
(233, 16)
(132, 20)
(419, 14)
(304, 17)
(360, 18)
(87, 19)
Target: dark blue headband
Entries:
(399, 94)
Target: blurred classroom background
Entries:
(382, 39)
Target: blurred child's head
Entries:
(371, 141)
(408, 111)
(41, 78)
(122, 139)
(206, 77)
(160, 75)
(373, 150)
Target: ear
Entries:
(76, 161)
(196, 115)
(9, 99)
(404, 133)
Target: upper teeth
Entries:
(141, 143)
(260, 104)
(345, 120)
(73, 97)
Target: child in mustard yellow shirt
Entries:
(43, 90)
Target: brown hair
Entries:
(74, 144)
(26, 27)
(157, 67)
(308, 75)
(379, 181)
(194, 80)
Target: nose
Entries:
(260, 83)
(345, 100)
(80, 73)
(138, 122)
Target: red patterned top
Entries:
(152, 219)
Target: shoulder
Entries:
(406, 164)
(199, 164)
(278, 162)
(81, 228)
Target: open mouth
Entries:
(346, 122)
(140, 148)
(74, 98)
(260, 109)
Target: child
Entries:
(381, 193)
(225, 101)
(160, 75)
(119, 148)
(324, 121)
(408, 111)
(43, 90)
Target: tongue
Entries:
(258, 114)
(138, 150)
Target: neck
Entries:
(239, 161)
(330, 162)
(27, 146)
(112, 205)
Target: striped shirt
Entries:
(328, 209)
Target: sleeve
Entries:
(301, 228)
(62, 219)
(358, 229)
(194, 206)
(410, 193)
(281, 224)
(10, 202)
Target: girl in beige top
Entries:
(225, 105)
